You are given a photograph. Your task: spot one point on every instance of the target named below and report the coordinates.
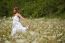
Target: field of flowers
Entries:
(41, 30)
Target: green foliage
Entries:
(34, 8)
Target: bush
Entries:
(34, 8)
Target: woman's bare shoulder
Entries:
(18, 14)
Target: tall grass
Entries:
(42, 30)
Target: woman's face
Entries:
(14, 11)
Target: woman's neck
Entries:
(15, 14)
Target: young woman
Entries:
(16, 25)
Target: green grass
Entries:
(41, 30)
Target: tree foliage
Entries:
(34, 8)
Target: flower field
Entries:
(42, 30)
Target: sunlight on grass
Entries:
(42, 30)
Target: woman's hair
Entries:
(16, 10)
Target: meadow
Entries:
(41, 30)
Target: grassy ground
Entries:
(42, 30)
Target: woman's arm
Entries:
(20, 16)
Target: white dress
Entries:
(17, 26)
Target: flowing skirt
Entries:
(17, 27)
